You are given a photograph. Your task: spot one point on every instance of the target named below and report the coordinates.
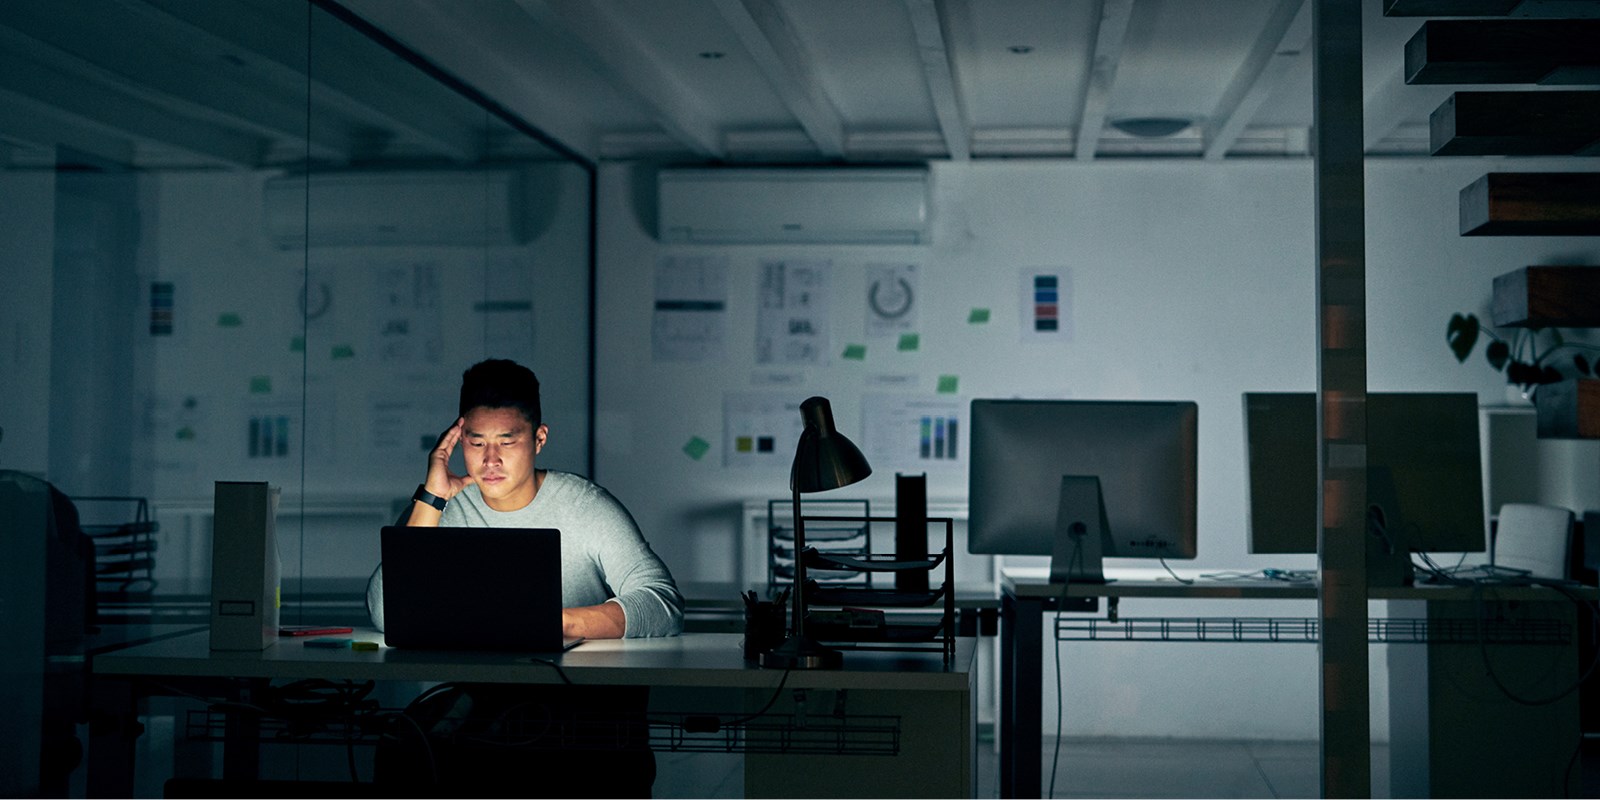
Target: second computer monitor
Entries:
(1143, 454)
(1424, 471)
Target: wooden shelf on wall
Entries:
(1547, 296)
(1552, 52)
(1516, 124)
(1548, 9)
(1532, 204)
(1569, 410)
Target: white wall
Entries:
(1190, 281)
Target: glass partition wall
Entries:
(259, 241)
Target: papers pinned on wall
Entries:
(910, 432)
(691, 303)
(1046, 305)
(792, 317)
(759, 429)
(891, 298)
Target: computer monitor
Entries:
(1424, 472)
(1033, 469)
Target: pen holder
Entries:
(763, 628)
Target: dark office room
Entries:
(800, 398)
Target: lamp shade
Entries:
(824, 459)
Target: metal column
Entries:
(1341, 399)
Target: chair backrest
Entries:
(1532, 537)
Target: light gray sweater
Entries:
(604, 557)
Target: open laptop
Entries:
(473, 589)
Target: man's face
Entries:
(499, 445)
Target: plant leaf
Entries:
(1462, 334)
(1581, 363)
(1522, 373)
(1549, 374)
(1499, 353)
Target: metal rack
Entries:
(872, 618)
(678, 732)
(124, 548)
(1305, 630)
(848, 535)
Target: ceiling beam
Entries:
(429, 27)
(939, 72)
(1273, 58)
(339, 76)
(136, 119)
(41, 125)
(768, 40)
(1110, 35)
(1392, 102)
(143, 68)
(613, 51)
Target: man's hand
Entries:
(604, 621)
(440, 480)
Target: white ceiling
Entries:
(888, 80)
(221, 83)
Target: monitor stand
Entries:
(1388, 546)
(1081, 532)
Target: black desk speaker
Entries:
(911, 529)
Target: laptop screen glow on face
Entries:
(473, 589)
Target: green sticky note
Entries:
(978, 316)
(855, 352)
(909, 342)
(947, 384)
(696, 447)
(297, 344)
(261, 384)
(229, 319)
(342, 351)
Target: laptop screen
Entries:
(473, 589)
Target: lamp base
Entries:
(802, 652)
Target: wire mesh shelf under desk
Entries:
(1306, 630)
(681, 732)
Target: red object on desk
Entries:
(312, 630)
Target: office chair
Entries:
(1533, 537)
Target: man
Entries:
(612, 586)
(612, 583)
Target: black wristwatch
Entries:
(428, 497)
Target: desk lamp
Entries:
(824, 459)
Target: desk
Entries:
(933, 702)
(1452, 733)
(708, 606)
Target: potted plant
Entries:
(1531, 358)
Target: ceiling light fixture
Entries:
(1021, 49)
(1151, 127)
(712, 55)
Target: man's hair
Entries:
(501, 383)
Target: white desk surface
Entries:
(693, 659)
(1035, 583)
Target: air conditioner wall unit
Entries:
(416, 207)
(802, 205)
